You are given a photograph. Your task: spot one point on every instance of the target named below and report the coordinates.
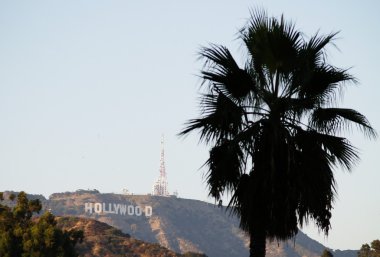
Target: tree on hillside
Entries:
(375, 245)
(327, 253)
(370, 251)
(275, 129)
(22, 236)
(12, 197)
(365, 251)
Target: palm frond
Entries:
(330, 120)
(315, 181)
(271, 44)
(322, 84)
(294, 108)
(222, 118)
(315, 48)
(338, 150)
(311, 62)
(225, 168)
(224, 72)
(248, 134)
(217, 55)
(242, 203)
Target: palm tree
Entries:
(275, 129)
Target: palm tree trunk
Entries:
(257, 243)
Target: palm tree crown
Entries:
(275, 128)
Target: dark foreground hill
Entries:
(102, 240)
(181, 225)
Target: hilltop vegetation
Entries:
(23, 236)
(372, 250)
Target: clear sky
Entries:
(88, 87)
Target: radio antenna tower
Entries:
(160, 187)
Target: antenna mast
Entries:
(161, 186)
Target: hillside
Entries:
(102, 240)
(181, 225)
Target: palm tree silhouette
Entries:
(275, 129)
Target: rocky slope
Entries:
(102, 240)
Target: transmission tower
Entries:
(160, 187)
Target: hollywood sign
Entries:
(116, 208)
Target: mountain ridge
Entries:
(181, 225)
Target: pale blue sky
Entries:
(87, 88)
